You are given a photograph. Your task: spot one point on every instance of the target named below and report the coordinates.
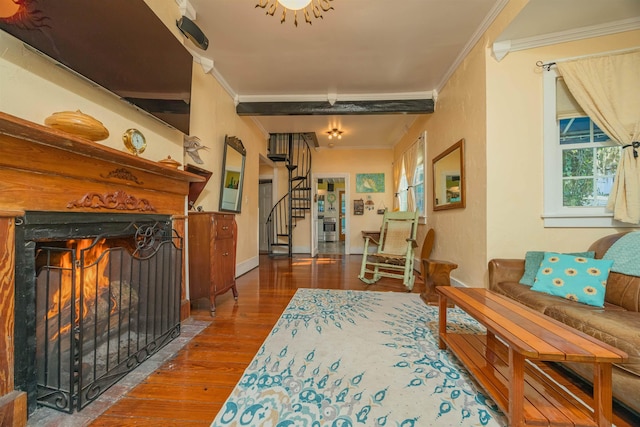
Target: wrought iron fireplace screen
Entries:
(103, 303)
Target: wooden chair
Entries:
(434, 273)
(394, 254)
(427, 247)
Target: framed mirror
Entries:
(232, 175)
(448, 178)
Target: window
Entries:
(418, 184)
(589, 161)
(418, 179)
(403, 190)
(580, 162)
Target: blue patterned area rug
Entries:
(358, 358)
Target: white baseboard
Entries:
(282, 250)
(247, 266)
(357, 250)
(456, 283)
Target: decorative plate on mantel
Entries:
(78, 123)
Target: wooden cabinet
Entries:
(212, 256)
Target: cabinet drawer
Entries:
(223, 228)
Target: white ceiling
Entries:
(363, 50)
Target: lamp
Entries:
(294, 4)
(334, 133)
(317, 7)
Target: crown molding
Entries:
(226, 86)
(339, 147)
(332, 98)
(208, 67)
(477, 35)
(261, 128)
(402, 132)
(503, 47)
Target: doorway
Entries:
(332, 231)
(342, 215)
(267, 194)
(265, 202)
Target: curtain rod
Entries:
(547, 66)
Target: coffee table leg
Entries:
(490, 352)
(516, 388)
(442, 321)
(602, 394)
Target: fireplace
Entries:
(100, 294)
(92, 278)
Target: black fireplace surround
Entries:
(123, 288)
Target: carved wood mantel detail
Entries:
(124, 174)
(118, 200)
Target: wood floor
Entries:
(190, 389)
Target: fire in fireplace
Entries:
(96, 295)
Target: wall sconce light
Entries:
(335, 133)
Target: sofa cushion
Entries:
(524, 295)
(624, 253)
(623, 290)
(619, 328)
(540, 301)
(572, 277)
(532, 261)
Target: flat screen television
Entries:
(120, 45)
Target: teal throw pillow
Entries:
(532, 261)
(572, 277)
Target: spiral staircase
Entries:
(294, 150)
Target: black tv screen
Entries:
(120, 45)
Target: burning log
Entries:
(102, 337)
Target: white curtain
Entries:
(607, 89)
(420, 167)
(410, 158)
(397, 172)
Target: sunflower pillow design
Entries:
(575, 278)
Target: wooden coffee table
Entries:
(515, 333)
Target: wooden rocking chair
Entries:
(394, 254)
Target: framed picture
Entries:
(358, 207)
(370, 183)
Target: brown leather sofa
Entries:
(617, 324)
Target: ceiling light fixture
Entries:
(317, 7)
(334, 133)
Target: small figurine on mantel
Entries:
(192, 145)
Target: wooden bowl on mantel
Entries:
(169, 162)
(78, 123)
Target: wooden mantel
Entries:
(43, 169)
(49, 170)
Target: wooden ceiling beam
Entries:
(310, 108)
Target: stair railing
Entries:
(294, 150)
